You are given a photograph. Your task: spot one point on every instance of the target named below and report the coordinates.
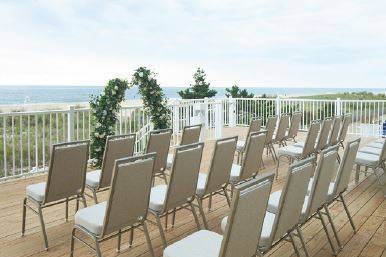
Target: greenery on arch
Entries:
(154, 101)
(104, 108)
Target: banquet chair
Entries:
(125, 209)
(65, 182)
(117, 147)
(242, 233)
(180, 192)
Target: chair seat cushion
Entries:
(201, 183)
(240, 145)
(380, 140)
(367, 159)
(371, 150)
(290, 150)
(202, 243)
(37, 191)
(299, 144)
(157, 198)
(376, 145)
(169, 161)
(235, 173)
(91, 218)
(265, 238)
(93, 178)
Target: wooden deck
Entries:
(366, 203)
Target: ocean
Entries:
(78, 94)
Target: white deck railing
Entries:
(28, 136)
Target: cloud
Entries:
(254, 43)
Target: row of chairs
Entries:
(320, 136)
(259, 220)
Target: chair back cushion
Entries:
(67, 170)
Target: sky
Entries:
(253, 43)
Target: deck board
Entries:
(365, 201)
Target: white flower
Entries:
(98, 149)
(116, 87)
(96, 134)
(102, 135)
(97, 125)
(140, 74)
(103, 93)
(104, 112)
(113, 92)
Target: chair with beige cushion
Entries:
(251, 163)
(126, 208)
(340, 183)
(270, 127)
(190, 135)
(180, 192)
(254, 126)
(242, 234)
(65, 182)
(117, 147)
(159, 142)
(297, 153)
(347, 120)
(376, 162)
(216, 180)
(281, 132)
(296, 119)
(333, 138)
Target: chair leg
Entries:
(161, 231)
(119, 241)
(294, 245)
(357, 171)
(348, 213)
(72, 242)
(95, 196)
(173, 218)
(40, 213)
(23, 216)
(131, 237)
(327, 234)
(77, 204)
(148, 241)
(201, 210)
(210, 202)
(97, 248)
(227, 197)
(195, 215)
(277, 168)
(298, 229)
(66, 209)
(333, 226)
(84, 201)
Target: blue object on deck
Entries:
(384, 128)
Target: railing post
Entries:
(232, 112)
(206, 112)
(338, 106)
(218, 120)
(70, 123)
(176, 118)
(278, 106)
